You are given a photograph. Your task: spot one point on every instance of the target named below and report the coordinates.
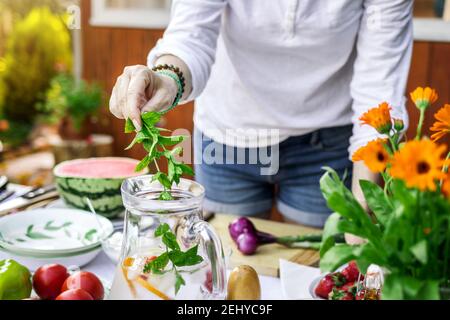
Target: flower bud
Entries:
(399, 125)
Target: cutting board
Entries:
(266, 260)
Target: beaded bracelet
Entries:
(179, 85)
(174, 69)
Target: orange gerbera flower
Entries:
(423, 97)
(419, 164)
(378, 118)
(442, 125)
(374, 155)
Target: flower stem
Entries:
(420, 125)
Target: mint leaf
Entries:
(170, 240)
(162, 229)
(165, 181)
(186, 169)
(157, 265)
(178, 282)
(129, 126)
(143, 164)
(169, 141)
(151, 118)
(165, 196)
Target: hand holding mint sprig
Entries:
(157, 147)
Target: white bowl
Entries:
(32, 263)
(53, 232)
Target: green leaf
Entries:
(331, 228)
(162, 229)
(186, 169)
(129, 126)
(337, 256)
(170, 169)
(183, 259)
(420, 251)
(342, 201)
(164, 180)
(400, 287)
(139, 138)
(151, 118)
(376, 200)
(179, 282)
(165, 196)
(176, 151)
(36, 235)
(89, 235)
(157, 265)
(143, 164)
(392, 287)
(169, 141)
(170, 240)
(429, 291)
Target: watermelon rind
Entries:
(104, 193)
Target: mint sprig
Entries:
(173, 254)
(157, 147)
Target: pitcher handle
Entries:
(214, 250)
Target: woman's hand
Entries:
(139, 90)
(360, 172)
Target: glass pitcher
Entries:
(168, 251)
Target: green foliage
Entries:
(173, 254)
(68, 98)
(37, 47)
(410, 237)
(156, 145)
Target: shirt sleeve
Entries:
(384, 49)
(192, 36)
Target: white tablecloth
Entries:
(104, 268)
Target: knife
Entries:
(29, 198)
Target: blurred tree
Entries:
(38, 48)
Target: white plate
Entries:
(33, 263)
(53, 232)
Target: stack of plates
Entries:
(70, 237)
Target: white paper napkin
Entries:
(296, 279)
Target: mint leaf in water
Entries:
(179, 282)
(173, 254)
(162, 229)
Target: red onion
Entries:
(248, 238)
(247, 243)
(239, 226)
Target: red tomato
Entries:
(86, 281)
(75, 294)
(48, 279)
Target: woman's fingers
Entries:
(140, 81)
(114, 104)
(164, 95)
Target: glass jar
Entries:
(168, 251)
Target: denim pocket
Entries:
(335, 138)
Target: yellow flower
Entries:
(378, 118)
(419, 164)
(442, 125)
(374, 155)
(423, 97)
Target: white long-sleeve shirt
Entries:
(292, 65)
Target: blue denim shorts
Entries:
(241, 189)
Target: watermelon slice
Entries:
(99, 179)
